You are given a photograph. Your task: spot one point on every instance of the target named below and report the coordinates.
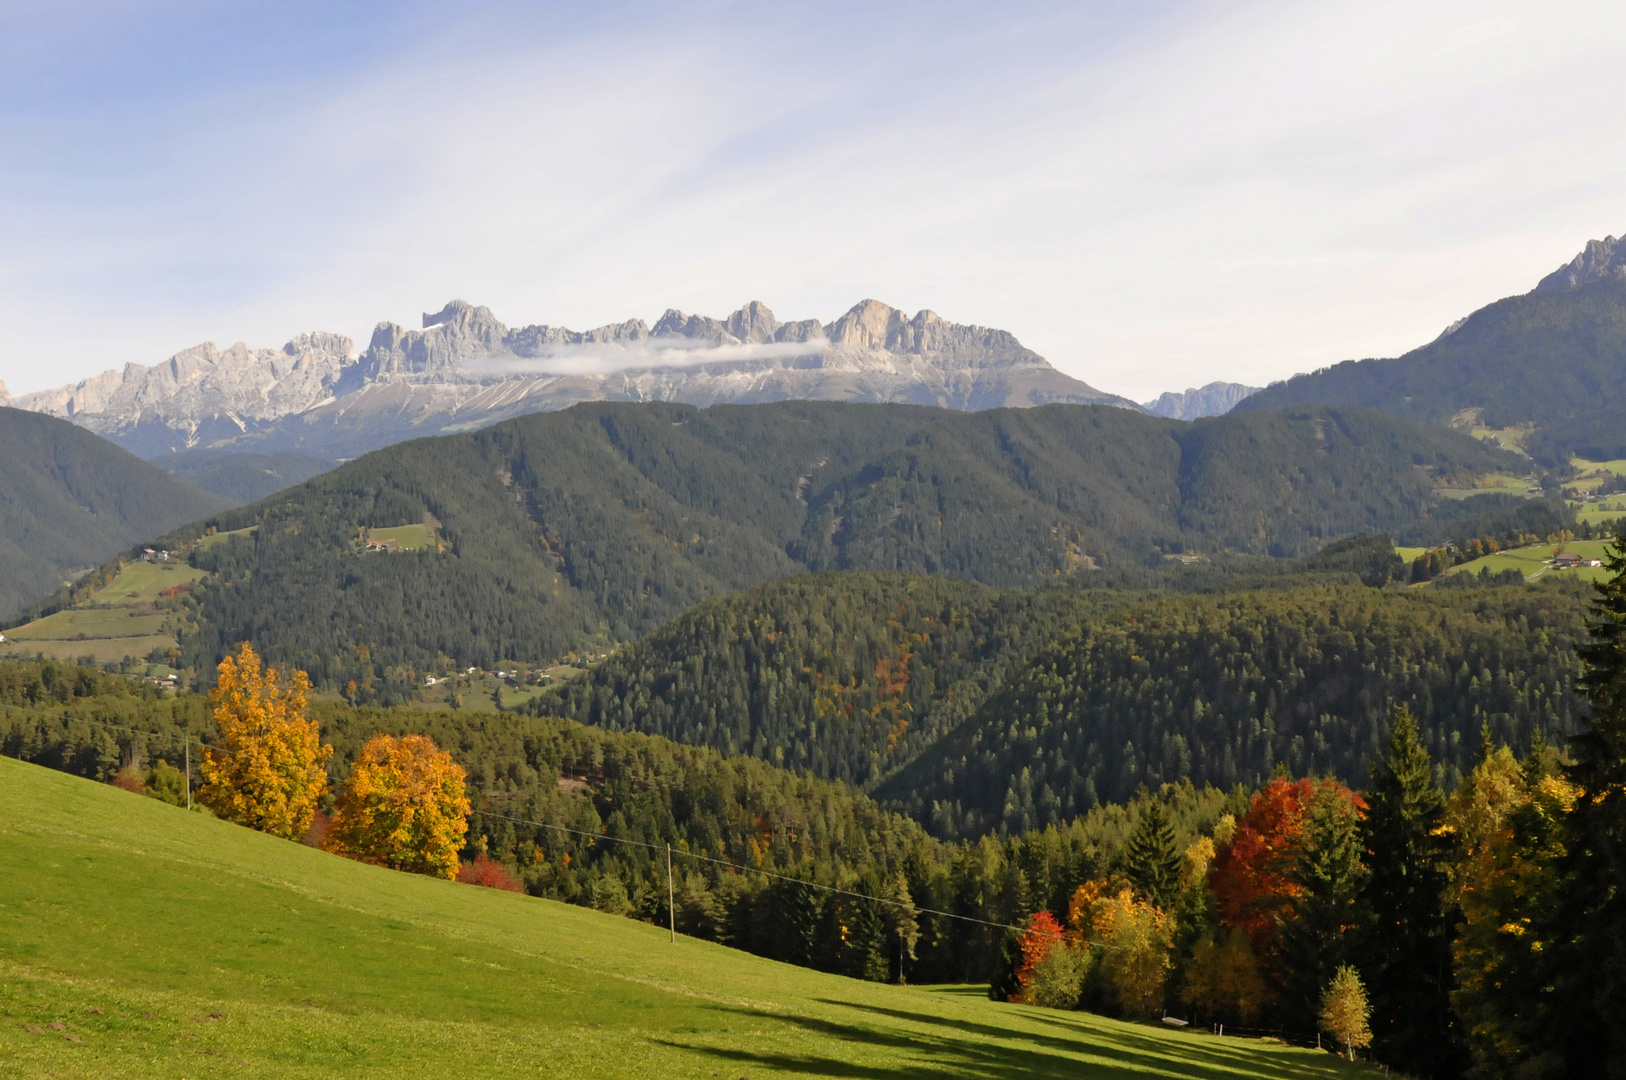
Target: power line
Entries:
(766, 873)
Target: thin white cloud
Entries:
(646, 355)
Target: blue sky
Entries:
(1152, 196)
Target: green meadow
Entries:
(114, 621)
(1496, 482)
(1604, 510)
(407, 537)
(1532, 561)
(139, 940)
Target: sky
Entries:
(1151, 195)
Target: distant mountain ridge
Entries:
(465, 369)
(1552, 360)
(1214, 399)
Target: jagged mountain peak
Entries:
(1214, 399)
(1600, 260)
(465, 368)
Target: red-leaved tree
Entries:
(1252, 875)
(490, 873)
(1044, 933)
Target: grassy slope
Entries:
(114, 621)
(207, 947)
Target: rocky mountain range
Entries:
(1215, 399)
(464, 369)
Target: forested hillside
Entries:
(1223, 689)
(1555, 359)
(596, 524)
(839, 675)
(1094, 693)
(70, 500)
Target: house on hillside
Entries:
(1567, 560)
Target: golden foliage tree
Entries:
(272, 770)
(1223, 979)
(404, 806)
(1345, 1013)
(1137, 938)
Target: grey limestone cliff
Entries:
(464, 368)
(1215, 399)
(1598, 261)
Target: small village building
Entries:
(1566, 560)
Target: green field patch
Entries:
(1408, 554)
(1511, 439)
(218, 538)
(144, 582)
(101, 650)
(404, 538)
(91, 622)
(173, 944)
(1597, 513)
(1616, 467)
(1533, 561)
(1496, 482)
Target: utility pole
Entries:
(671, 897)
(188, 744)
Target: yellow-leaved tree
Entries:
(403, 806)
(1139, 938)
(272, 770)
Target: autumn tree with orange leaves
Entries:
(404, 805)
(272, 770)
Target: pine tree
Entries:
(1152, 858)
(1317, 940)
(1408, 939)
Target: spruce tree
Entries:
(1408, 939)
(1152, 858)
(1588, 931)
(1316, 942)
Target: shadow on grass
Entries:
(1195, 1047)
(970, 1050)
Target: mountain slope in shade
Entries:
(1214, 399)
(242, 476)
(70, 500)
(465, 369)
(1553, 358)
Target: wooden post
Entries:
(671, 897)
(189, 772)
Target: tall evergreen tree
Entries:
(1589, 930)
(1316, 942)
(1152, 859)
(1408, 940)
